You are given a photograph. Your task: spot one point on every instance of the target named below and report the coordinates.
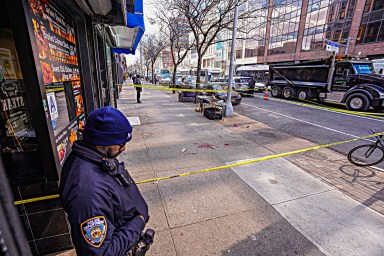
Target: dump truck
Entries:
(352, 82)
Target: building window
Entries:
(256, 37)
(372, 22)
(249, 53)
(238, 54)
(371, 32)
(327, 20)
(285, 26)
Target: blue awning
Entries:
(127, 38)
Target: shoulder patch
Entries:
(94, 230)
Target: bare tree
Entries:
(207, 18)
(176, 29)
(152, 47)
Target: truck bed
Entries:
(302, 75)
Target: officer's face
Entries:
(114, 150)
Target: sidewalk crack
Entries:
(301, 197)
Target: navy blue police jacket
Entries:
(104, 215)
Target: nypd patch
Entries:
(94, 230)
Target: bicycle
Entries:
(368, 154)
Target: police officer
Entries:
(105, 209)
(138, 89)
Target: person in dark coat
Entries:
(251, 85)
(105, 209)
(138, 89)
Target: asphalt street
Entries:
(316, 125)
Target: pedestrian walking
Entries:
(105, 208)
(251, 85)
(138, 88)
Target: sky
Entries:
(149, 11)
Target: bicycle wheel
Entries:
(366, 155)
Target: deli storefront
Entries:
(53, 71)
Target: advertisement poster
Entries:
(67, 137)
(78, 98)
(56, 44)
(57, 52)
(52, 105)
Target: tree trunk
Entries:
(174, 77)
(153, 74)
(199, 57)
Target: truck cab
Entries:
(358, 84)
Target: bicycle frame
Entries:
(374, 146)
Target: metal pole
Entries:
(141, 59)
(331, 70)
(347, 47)
(229, 108)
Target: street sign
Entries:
(332, 47)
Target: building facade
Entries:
(296, 30)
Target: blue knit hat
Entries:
(107, 126)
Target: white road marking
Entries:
(329, 110)
(303, 121)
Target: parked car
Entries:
(178, 80)
(165, 80)
(260, 87)
(185, 85)
(235, 97)
(241, 84)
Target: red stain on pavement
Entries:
(206, 145)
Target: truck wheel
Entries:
(288, 93)
(358, 102)
(276, 91)
(302, 94)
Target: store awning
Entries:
(128, 37)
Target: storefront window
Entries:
(16, 131)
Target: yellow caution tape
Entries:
(223, 166)
(163, 88)
(26, 201)
(304, 103)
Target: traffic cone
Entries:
(266, 94)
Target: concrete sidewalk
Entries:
(306, 204)
(267, 208)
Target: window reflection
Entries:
(372, 22)
(255, 42)
(284, 26)
(16, 131)
(327, 19)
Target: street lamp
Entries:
(229, 108)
